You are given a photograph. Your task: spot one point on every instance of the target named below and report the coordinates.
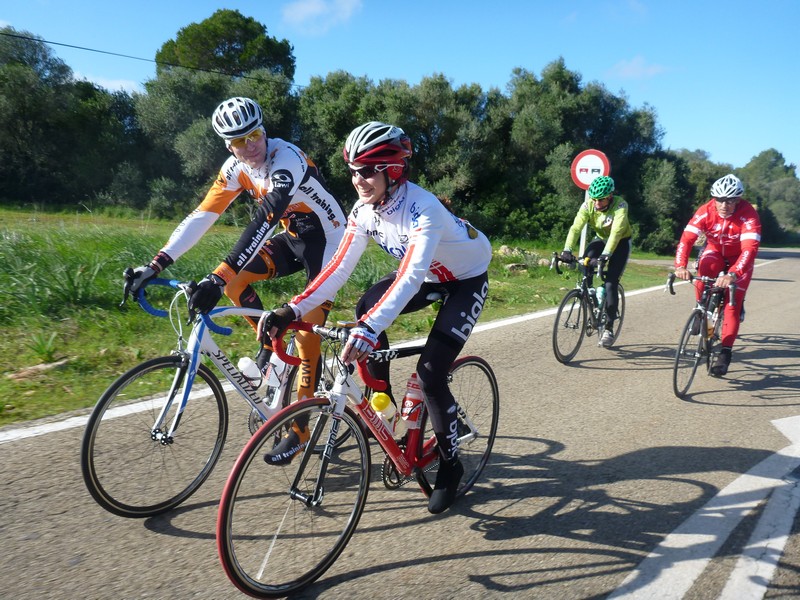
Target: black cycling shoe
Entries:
(447, 480)
(721, 363)
(290, 446)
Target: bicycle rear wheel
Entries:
(474, 386)
(690, 353)
(130, 472)
(273, 536)
(570, 326)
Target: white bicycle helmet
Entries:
(729, 186)
(377, 143)
(236, 117)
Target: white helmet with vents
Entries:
(236, 117)
(729, 186)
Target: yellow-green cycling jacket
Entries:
(611, 225)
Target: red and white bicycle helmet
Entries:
(236, 117)
(377, 143)
(729, 186)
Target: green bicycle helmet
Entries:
(601, 187)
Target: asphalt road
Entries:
(601, 482)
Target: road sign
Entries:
(588, 165)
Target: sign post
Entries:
(587, 166)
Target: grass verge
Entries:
(66, 339)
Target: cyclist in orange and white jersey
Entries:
(733, 234)
(289, 191)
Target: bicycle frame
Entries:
(345, 390)
(597, 311)
(201, 343)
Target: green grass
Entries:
(66, 339)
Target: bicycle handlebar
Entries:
(587, 262)
(706, 280)
(333, 333)
(141, 300)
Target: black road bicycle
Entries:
(581, 313)
(699, 341)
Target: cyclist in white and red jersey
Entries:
(437, 252)
(733, 234)
(289, 190)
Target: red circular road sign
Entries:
(588, 165)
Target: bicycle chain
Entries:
(391, 478)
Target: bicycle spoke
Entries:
(277, 530)
(127, 466)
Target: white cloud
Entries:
(636, 68)
(316, 17)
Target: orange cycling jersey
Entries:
(288, 188)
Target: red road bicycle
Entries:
(280, 527)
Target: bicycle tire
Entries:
(474, 386)
(713, 342)
(129, 473)
(691, 350)
(569, 328)
(270, 542)
(620, 312)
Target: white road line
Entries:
(671, 569)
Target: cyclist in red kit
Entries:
(733, 233)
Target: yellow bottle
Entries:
(382, 404)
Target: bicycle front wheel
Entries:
(128, 465)
(690, 353)
(280, 527)
(474, 386)
(620, 312)
(570, 326)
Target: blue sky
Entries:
(723, 77)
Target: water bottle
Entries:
(274, 370)
(601, 295)
(250, 370)
(412, 403)
(382, 404)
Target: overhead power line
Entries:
(150, 60)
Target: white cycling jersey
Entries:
(431, 243)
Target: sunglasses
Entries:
(253, 136)
(368, 171)
(727, 200)
(603, 199)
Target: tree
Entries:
(230, 43)
(60, 140)
(23, 48)
(328, 109)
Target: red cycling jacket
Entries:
(737, 238)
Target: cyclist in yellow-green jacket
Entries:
(608, 217)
